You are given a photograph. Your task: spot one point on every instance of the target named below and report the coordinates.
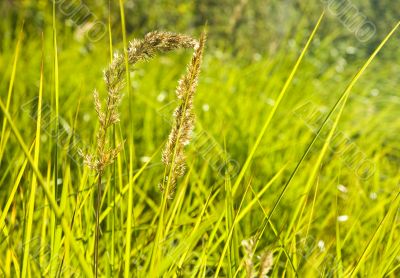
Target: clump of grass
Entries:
(142, 50)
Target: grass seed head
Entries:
(173, 155)
(138, 50)
(266, 262)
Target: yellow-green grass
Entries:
(294, 191)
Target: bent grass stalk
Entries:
(173, 155)
(139, 50)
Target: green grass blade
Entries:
(3, 140)
(342, 100)
(275, 107)
(32, 197)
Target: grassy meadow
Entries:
(276, 155)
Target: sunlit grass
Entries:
(288, 123)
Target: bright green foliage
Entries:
(296, 144)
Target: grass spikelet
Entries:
(173, 154)
(266, 262)
(248, 246)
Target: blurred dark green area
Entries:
(242, 27)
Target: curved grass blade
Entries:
(342, 100)
(275, 107)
